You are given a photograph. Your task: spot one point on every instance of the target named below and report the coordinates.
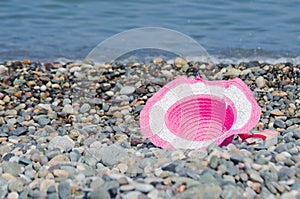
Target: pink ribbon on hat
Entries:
(194, 113)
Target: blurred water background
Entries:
(233, 30)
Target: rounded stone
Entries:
(260, 82)
(65, 143)
(64, 190)
(127, 90)
(85, 108)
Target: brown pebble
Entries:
(1, 96)
(26, 62)
(181, 188)
(43, 95)
(157, 60)
(135, 141)
(281, 94)
(3, 139)
(18, 94)
(255, 186)
(179, 62)
(31, 83)
(276, 112)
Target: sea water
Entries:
(232, 31)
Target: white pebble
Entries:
(109, 93)
(43, 88)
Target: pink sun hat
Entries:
(195, 113)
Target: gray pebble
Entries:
(53, 196)
(254, 175)
(230, 191)
(85, 108)
(127, 90)
(236, 158)
(145, 188)
(279, 123)
(3, 188)
(64, 143)
(112, 154)
(213, 163)
(15, 185)
(64, 189)
(18, 131)
(42, 119)
(100, 193)
(12, 168)
(296, 134)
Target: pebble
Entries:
(278, 123)
(3, 69)
(145, 188)
(64, 190)
(110, 93)
(113, 154)
(13, 195)
(68, 109)
(18, 131)
(127, 90)
(179, 62)
(99, 193)
(260, 82)
(276, 112)
(85, 108)
(64, 143)
(12, 168)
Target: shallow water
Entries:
(231, 30)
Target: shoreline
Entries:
(72, 130)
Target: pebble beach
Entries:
(71, 130)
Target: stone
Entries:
(68, 109)
(213, 163)
(233, 72)
(99, 193)
(18, 131)
(64, 190)
(113, 154)
(179, 62)
(12, 168)
(3, 69)
(212, 190)
(132, 195)
(85, 108)
(64, 143)
(278, 123)
(229, 192)
(15, 185)
(145, 188)
(3, 188)
(260, 82)
(296, 134)
(236, 158)
(127, 90)
(13, 195)
(255, 176)
(46, 185)
(276, 112)
(57, 159)
(97, 183)
(42, 120)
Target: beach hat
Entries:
(195, 113)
